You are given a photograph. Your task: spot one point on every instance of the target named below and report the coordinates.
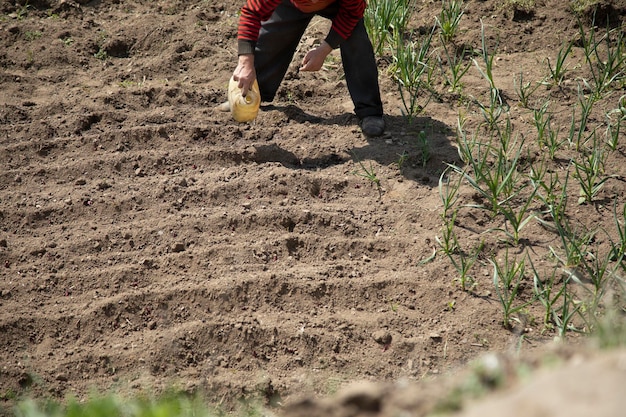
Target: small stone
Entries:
(178, 247)
(152, 325)
(61, 377)
(81, 181)
(382, 337)
(3, 243)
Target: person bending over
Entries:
(270, 30)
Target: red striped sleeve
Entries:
(256, 11)
(350, 12)
(252, 14)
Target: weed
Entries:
(101, 54)
(523, 4)
(22, 11)
(32, 35)
(68, 41)
(581, 6)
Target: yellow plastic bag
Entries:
(243, 109)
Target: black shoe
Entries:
(373, 125)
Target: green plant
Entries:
(487, 59)
(495, 182)
(462, 261)
(386, 21)
(524, 90)
(547, 185)
(101, 54)
(614, 124)
(457, 66)
(369, 174)
(496, 106)
(449, 243)
(448, 191)
(577, 137)
(402, 158)
(548, 293)
(557, 74)
(412, 60)
(507, 280)
(574, 242)
(517, 216)
(618, 249)
(606, 58)
(541, 117)
(449, 18)
(424, 147)
(465, 146)
(589, 171)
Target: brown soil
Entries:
(149, 241)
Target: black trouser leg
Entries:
(359, 65)
(278, 39)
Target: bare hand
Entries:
(245, 73)
(314, 59)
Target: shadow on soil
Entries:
(420, 148)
